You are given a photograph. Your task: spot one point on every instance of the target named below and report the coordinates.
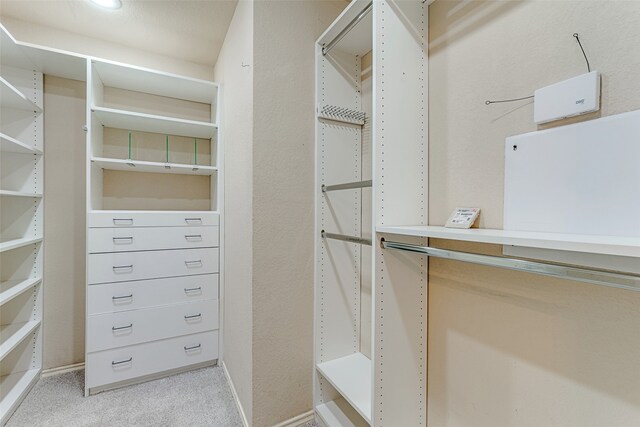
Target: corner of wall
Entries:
(283, 180)
(234, 71)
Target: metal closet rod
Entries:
(597, 277)
(347, 186)
(345, 238)
(326, 48)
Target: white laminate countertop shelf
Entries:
(339, 413)
(7, 245)
(131, 120)
(13, 387)
(10, 289)
(12, 145)
(11, 55)
(19, 194)
(130, 77)
(351, 377)
(13, 334)
(153, 167)
(47, 60)
(603, 245)
(11, 97)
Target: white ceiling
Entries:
(191, 30)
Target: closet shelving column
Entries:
(400, 198)
(21, 225)
(343, 370)
(154, 221)
(382, 383)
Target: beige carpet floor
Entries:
(197, 398)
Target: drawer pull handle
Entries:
(114, 363)
(123, 221)
(197, 263)
(121, 239)
(193, 236)
(122, 297)
(117, 268)
(194, 316)
(187, 290)
(193, 347)
(119, 328)
(193, 220)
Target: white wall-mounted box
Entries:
(578, 95)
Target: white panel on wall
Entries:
(582, 178)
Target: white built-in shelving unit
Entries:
(370, 306)
(21, 224)
(153, 216)
(154, 223)
(384, 382)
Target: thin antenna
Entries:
(582, 49)
(487, 102)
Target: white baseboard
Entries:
(236, 399)
(62, 370)
(297, 421)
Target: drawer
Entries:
(125, 266)
(151, 218)
(107, 331)
(149, 238)
(114, 297)
(112, 366)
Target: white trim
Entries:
(62, 370)
(235, 395)
(298, 420)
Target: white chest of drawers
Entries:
(152, 295)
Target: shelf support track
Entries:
(593, 276)
(345, 238)
(347, 186)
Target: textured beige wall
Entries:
(506, 348)
(64, 218)
(237, 116)
(267, 70)
(283, 180)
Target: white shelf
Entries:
(131, 120)
(13, 334)
(10, 289)
(12, 145)
(13, 389)
(10, 97)
(144, 80)
(603, 245)
(154, 167)
(11, 54)
(359, 40)
(8, 245)
(351, 377)
(19, 194)
(339, 413)
(20, 342)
